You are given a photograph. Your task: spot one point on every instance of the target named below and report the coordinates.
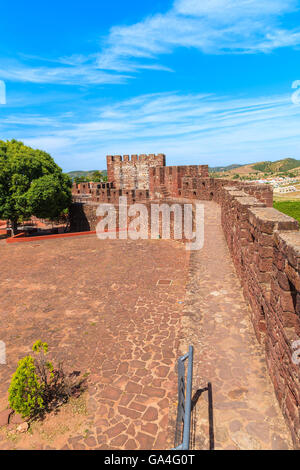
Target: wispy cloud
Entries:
(210, 26)
(66, 75)
(190, 128)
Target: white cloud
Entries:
(210, 26)
(72, 75)
(229, 9)
(190, 129)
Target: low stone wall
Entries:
(112, 195)
(265, 248)
(83, 217)
(168, 179)
(209, 189)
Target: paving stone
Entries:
(114, 321)
(150, 414)
(4, 416)
(227, 354)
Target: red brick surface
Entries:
(98, 306)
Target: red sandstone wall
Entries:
(167, 181)
(82, 188)
(111, 195)
(211, 189)
(132, 173)
(83, 217)
(265, 248)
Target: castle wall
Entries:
(132, 172)
(83, 217)
(265, 248)
(168, 180)
(111, 195)
(209, 189)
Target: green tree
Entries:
(31, 183)
(81, 179)
(98, 176)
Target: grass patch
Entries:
(291, 208)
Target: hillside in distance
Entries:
(260, 169)
(89, 173)
(224, 168)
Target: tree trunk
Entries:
(14, 226)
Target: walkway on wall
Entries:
(246, 414)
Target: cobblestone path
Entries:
(245, 413)
(109, 308)
(122, 311)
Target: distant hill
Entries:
(280, 165)
(256, 170)
(259, 169)
(76, 174)
(224, 168)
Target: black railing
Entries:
(183, 422)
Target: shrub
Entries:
(26, 390)
(37, 387)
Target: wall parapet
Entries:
(265, 247)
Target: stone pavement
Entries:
(110, 308)
(227, 355)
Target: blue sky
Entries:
(203, 81)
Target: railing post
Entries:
(188, 402)
(184, 401)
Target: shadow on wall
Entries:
(78, 219)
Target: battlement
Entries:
(160, 158)
(132, 172)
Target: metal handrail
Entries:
(184, 400)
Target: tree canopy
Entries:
(95, 176)
(31, 183)
(98, 176)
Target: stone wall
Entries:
(132, 172)
(83, 217)
(265, 248)
(167, 181)
(112, 195)
(209, 189)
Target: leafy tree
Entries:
(81, 179)
(31, 183)
(98, 177)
